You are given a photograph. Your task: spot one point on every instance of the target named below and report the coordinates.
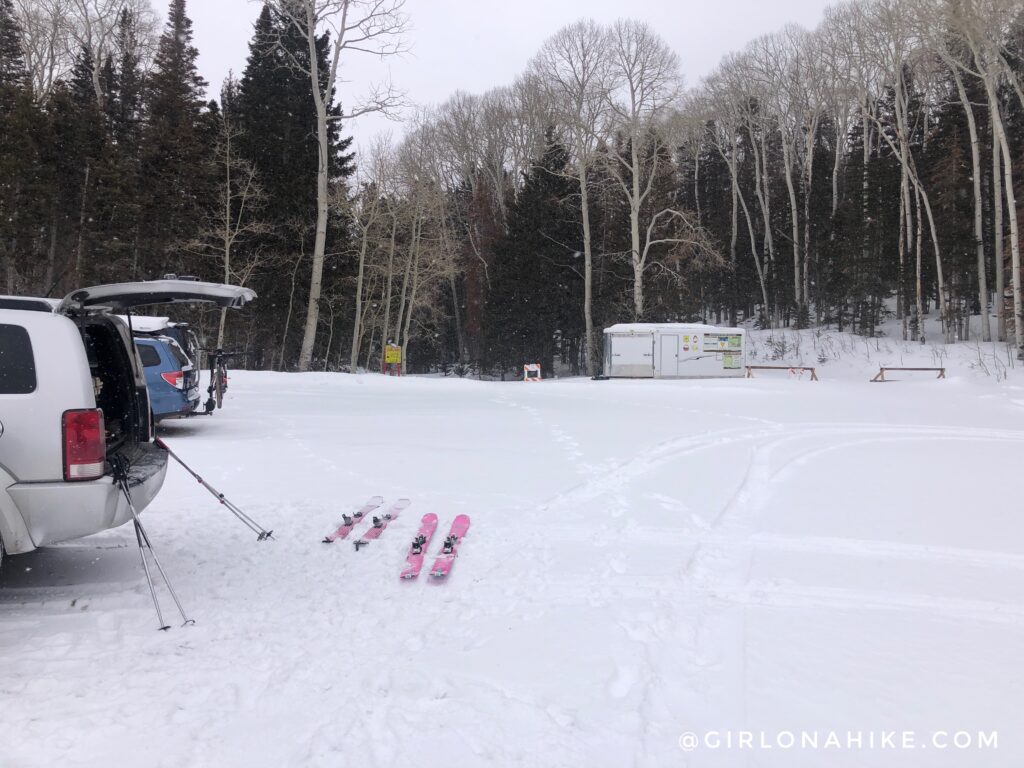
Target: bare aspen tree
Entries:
(816, 99)
(365, 211)
(55, 32)
(374, 27)
(997, 236)
(739, 95)
(481, 146)
(939, 45)
(982, 26)
(838, 86)
(235, 221)
(573, 69)
(529, 118)
(882, 33)
(45, 32)
(394, 213)
(92, 25)
(856, 79)
(747, 98)
(779, 65)
(645, 89)
(722, 105)
(841, 95)
(472, 159)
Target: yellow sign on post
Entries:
(392, 354)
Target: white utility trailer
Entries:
(673, 351)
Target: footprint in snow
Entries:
(622, 683)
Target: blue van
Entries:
(172, 381)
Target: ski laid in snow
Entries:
(414, 560)
(450, 548)
(380, 523)
(348, 522)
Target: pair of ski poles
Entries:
(121, 476)
(121, 467)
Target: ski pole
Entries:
(149, 578)
(174, 595)
(261, 533)
(142, 539)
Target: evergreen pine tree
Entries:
(535, 294)
(20, 124)
(278, 125)
(176, 142)
(12, 61)
(273, 110)
(119, 183)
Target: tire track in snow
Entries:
(716, 570)
(665, 452)
(774, 594)
(672, 538)
(770, 594)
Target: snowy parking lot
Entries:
(645, 560)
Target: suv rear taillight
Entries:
(85, 444)
(174, 378)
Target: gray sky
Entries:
(473, 45)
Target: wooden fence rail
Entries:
(880, 376)
(790, 368)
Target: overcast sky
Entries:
(473, 45)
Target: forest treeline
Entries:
(865, 171)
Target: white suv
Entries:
(72, 396)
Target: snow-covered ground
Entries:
(646, 559)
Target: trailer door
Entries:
(668, 360)
(632, 356)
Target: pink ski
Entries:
(348, 522)
(414, 560)
(380, 523)
(443, 563)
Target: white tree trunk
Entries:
(769, 243)
(320, 241)
(979, 232)
(387, 291)
(1011, 207)
(997, 229)
(787, 161)
(405, 280)
(738, 195)
(919, 307)
(288, 316)
(807, 218)
(226, 234)
(353, 360)
(734, 237)
(634, 232)
(588, 273)
(411, 305)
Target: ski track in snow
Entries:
(628, 560)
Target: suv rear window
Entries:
(17, 365)
(150, 357)
(178, 355)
